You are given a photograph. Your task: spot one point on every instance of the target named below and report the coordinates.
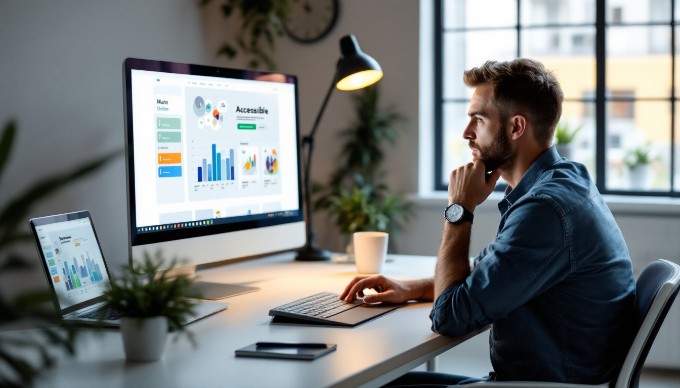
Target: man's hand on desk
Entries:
(388, 290)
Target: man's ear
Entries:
(518, 126)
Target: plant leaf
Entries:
(8, 134)
(17, 209)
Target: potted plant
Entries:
(365, 209)
(361, 209)
(356, 197)
(564, 137)
(151, 304)
(638, 161)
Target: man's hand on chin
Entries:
(470, 184)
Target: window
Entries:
(616, 62)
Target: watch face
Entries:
(454, 213)
(310, 20)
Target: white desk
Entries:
(370, 354)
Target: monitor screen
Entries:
(213, 165)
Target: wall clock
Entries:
(310, 20)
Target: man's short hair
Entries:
(522, 86)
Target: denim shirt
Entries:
(556, 283)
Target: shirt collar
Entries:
(547, 159)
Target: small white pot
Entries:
(640, 177)
(144, 338)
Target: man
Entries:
(556, 283)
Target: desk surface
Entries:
(370, 354)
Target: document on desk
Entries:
(297, 351)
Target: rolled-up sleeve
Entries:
(527, 257)
(442, 316)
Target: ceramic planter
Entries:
(144, 338)
(640, 177)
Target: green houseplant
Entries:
(261, 24)
(638, 157)
(357, 210)
(18, 368)
(151, 303)
(356, 197)
(564, 137)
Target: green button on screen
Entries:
(169, 137)
(168, 123)
(248, 127)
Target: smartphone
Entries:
(289, 350)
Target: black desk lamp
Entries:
(355, 70)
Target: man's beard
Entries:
(496, 155)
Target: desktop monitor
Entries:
(213, 164)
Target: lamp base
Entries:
(312, 253)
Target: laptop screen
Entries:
(72, 258)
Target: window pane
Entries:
(635, 11)
(455, 149)
(576, 41)
(545, 12)
(476, 13)
(638, 61)
(572, 59)
(645, 135)
(463, 51)
(578, 117)
(638, 41)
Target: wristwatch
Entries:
(455, 213)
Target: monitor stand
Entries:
(216, 291)
(208, 290)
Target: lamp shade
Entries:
(355, 70)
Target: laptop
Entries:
(77, 273)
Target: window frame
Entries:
(600, 98)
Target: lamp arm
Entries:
(323, 108)
(309, 249)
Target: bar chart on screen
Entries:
(76, 276)
(213, 171)
(219, 166)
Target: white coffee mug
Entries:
(370, 251)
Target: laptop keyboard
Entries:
(107, 314)
(321, 305)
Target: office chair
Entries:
(657, 286)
